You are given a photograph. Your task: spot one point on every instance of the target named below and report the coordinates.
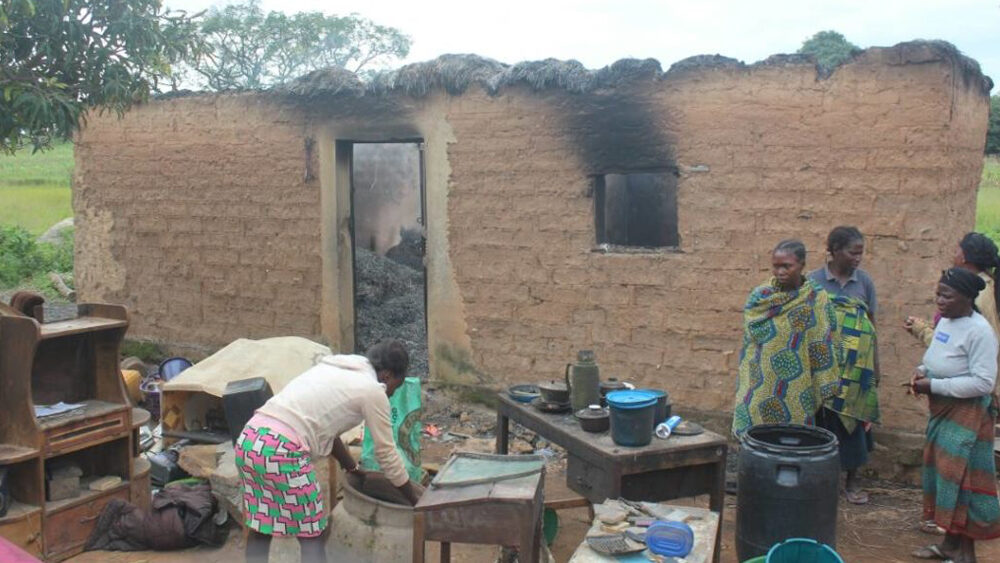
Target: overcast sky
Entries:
(599, 32)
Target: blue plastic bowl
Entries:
(171, 367)
(802, 550)
(523, 393)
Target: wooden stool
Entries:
(506, 513)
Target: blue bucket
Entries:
(802, 550)
(632, 413)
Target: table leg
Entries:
(531, 543)
(503, 433)
(717, 500)
(418, 538)
(445, 552)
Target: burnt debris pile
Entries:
(390, 304)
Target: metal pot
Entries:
(608, 386)
(554, 392)
(594, 418)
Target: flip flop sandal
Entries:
(930, 552)
(856, 497)
(929, 527)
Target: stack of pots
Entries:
(633, 413)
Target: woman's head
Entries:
(787, 261)
(390, 360)
(957, 292)
(846, 246)
(979, 251)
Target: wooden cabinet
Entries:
(73, 361)
(68, 527)
(22, 526)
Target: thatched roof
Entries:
(457, 73)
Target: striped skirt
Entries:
(281, 496)
(960, 488)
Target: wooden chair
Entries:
(506, 513)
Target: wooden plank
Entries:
(10, 454)
(19, 511)
(140, 417)
(78, 326)
(86, 496)
(558, 496)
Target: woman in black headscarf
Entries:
(977, 254)
(958, 373)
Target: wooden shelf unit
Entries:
(74, 361)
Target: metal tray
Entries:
(471, 468)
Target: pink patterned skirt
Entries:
(281, 496)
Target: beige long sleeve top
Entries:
(332, 397)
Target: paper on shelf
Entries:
(42, 411)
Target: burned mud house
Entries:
(627, 210)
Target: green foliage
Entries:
(830, 49)
(35, 187)
(21, 257)
(248, 49)
(149, 352)
(60, 57)
(988, 204)
(993, 132)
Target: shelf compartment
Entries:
(10, 454)
(22, 526)
(79, 326)
(86, 496)
(19, 511)
(69, 524)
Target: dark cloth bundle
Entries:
(181, 517)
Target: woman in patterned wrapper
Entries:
(855, 409)
(788, 362)
(958, 373)
(281, 496)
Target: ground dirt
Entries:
(884, 531)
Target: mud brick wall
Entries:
(195, 213)
(764, 153)
(201, 214)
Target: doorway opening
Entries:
(388, 237)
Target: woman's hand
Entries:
(921, 385)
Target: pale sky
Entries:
(599, 32)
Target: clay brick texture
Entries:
(199, 214)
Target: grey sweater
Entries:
(962, 358)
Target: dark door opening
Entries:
(390, 282)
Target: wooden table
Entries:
(504, 513)
(599, 469)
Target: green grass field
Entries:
(988, 206)
(34, 188)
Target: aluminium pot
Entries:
(594, 418)
(554, 392)
(605, 387)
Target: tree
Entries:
(248, 49)
(993, 132)
(830, 49)
(60, 57)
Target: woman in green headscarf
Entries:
(789, 361)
